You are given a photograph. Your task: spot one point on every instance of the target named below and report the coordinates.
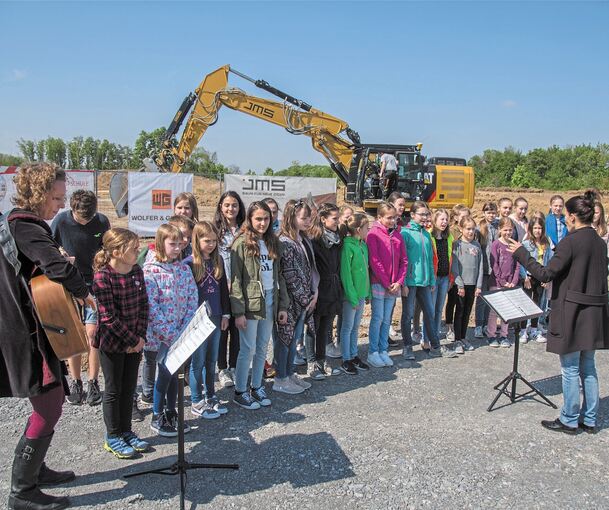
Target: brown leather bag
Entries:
(59, 317)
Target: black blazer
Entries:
(579, 320)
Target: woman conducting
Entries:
(579, 321)
(28, 365)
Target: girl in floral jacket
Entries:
(172, 297)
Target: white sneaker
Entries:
(333, 351)
(468, 346)
(524, 337)
(286, 385)
(225, 378)
(540, 338)
(394, 335)
(450, 335)
(386, 359)
(459, 347)
(300, 382)
(375, 360)
(478, 333)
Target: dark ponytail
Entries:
(583, 206)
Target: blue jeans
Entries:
(166, 385)
(284, 354)
(351, 318)
(438, 298)
(253, 342)
(482, 309)
(380, 321)
(577, 366)
(423, 296)
(203, 364)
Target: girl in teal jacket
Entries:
(420, 279)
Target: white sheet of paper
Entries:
(513, 304)
(197, 331)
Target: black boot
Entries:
(49, 477)
(25, 494)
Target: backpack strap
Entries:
(9, 247)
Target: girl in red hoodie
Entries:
(387, 256)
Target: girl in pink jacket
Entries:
(388, 261)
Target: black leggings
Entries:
(463, 311)
(451, 302)
(534, 293)
(120, 375)
(229, 348)
(316, 351)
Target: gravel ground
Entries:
(416, 435)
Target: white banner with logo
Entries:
(258, 187)
(151, 197)
(75, 179)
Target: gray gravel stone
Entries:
(413, 436)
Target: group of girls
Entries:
(260, 278)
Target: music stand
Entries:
(194, 335)
(514, 306)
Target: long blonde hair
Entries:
(115, 239)
(201, 230)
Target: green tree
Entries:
(268, 171)
(27, 148)
(524, 177)
(89, 150)
(76, 155)
(10, 160)
(147, 144)
(55, 151)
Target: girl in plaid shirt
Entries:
(122, 305)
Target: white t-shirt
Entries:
(391, 165)
(266, 267)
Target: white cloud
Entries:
(14, 75)
(509, 103)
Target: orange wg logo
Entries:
(161, 199)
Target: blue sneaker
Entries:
(117, 446)
(135, 442)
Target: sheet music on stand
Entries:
(512, 304)
(197, 331)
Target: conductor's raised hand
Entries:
(513, 245)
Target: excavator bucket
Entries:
(119, 193)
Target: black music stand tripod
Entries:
(514, 306)
(181, 466)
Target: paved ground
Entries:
(413, 436)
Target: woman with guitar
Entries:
(30, 368)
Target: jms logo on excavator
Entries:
(259, 110)
(263, 184)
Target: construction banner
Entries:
(75, 179)
(151, 197)
(258, 187)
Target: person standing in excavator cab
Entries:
(389, 168)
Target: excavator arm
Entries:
(294, 115)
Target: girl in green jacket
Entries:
(356, 284)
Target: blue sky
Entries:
(459, 76)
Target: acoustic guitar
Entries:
(59, 316)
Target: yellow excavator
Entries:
(356, 164)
